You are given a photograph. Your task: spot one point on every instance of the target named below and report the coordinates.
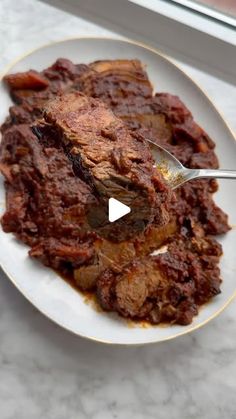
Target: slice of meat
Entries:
(134, 292)
(116, 256)
(112, 80)
(116, 162)
(108, 254)
(154, 237)
(164, 287)
(135, 287)
(86, 276)
(144, 113)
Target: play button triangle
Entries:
(116, 209)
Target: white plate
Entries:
(47, 291)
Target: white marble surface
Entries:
(45, 372)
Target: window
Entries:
(179, 28)
(223, 10)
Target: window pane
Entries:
(224, 10)
(224, 6)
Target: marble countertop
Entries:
(46, 372)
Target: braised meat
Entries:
(115, 80)
(63, 154)
(116, 163)
(117, 255)
(165, 287)
(46, 203)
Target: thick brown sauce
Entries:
(89, 296)
(47, 198)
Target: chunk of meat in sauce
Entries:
(114, 161)
(44, 198)
(166, 287)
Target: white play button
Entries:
(116, 209)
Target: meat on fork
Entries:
(115, 161)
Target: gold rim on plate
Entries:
(156, 52)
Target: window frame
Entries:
(181, 33)
(210, 11)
